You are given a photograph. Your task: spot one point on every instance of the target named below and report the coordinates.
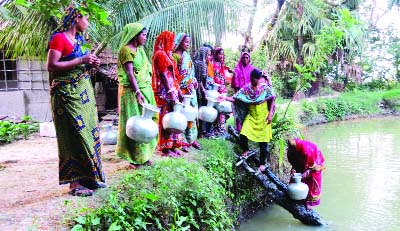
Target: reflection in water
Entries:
(361, 186)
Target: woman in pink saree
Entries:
(306, 158)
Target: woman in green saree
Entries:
(134, 75)
(188, 85)
(73, 106)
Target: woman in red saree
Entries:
(165, 84)
(307, 159)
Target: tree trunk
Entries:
(300, 38)
(277, 193)
(248, 39)
(276, 190)
(273, 19)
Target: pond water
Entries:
(361, 185)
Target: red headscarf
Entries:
(162, 57)
(164, 42)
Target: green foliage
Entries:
(392, 99)
(333, 109)
(171, 195)
(28, 26)
(394, 49)
(359, 103)
(281, 126)
(310, 111)
(231, 57)
(175, 194)
(259, 58)
(50, 8)
(374, 85)
(10, 131)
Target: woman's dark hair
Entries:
(134, 37)
(209, 46)
(216, 52)
(256, 73)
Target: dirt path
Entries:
(31, 198)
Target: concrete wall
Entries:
(12, 103)
(35, 103)
(32, 75)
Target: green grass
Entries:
(349, 104)
(392, 99)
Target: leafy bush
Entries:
(347, 104)
(231, 57)
(171, 195)
(374, 85)
(392, 99)
(281, 126)
(206, 193)
(310, 111)
(10, 131)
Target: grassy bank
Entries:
(349, 105)
(201, 192)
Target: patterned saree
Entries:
(75, 119)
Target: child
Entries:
(260, 107)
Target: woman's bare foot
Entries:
(177, 152)
(196, 145)
(169, 153)
(134, 166)
(185, 149)
(245, 154)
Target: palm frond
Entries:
(28, 33)
(202, 19)
(25, 33)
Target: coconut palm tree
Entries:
(26, 31)
(394, 3)
(294, 35)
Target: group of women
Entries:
(164, 82)
(161, 82)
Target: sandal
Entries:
(81, 192)
(134, 166)
(92, 184)
(196, 145)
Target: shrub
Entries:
(171, 195)
(10, 131)
(208, 193)
(391, 99)
(310, 111)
